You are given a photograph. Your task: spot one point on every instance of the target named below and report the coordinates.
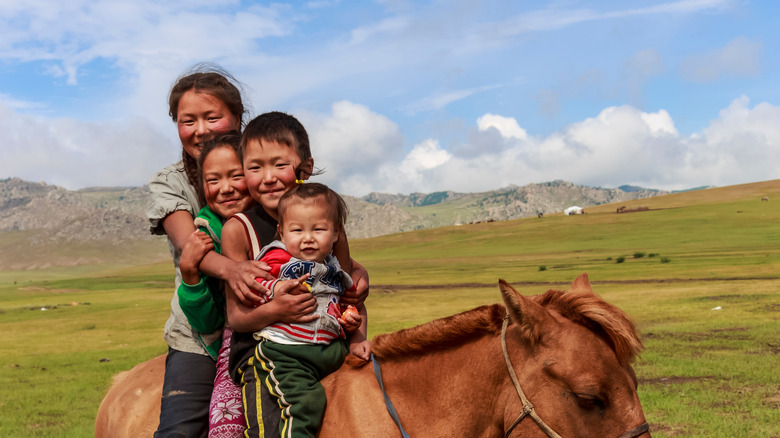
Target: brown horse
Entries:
(563, 370)
(132, 406)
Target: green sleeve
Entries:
(203, 304)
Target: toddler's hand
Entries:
(361, 349)
(350, 319)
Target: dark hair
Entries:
(213, 80)
(281, 128)
(231, 139)
(334, 202)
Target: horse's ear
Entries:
(581, 285)
(528, 315)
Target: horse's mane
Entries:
(588, 310)
(440, 334)
(601, 317)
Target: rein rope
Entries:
(388, 403)
(528, 408)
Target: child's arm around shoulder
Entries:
(239, 272)
(358, 273)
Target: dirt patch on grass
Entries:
(674, 380)
(668, 429)
(768, 308)
(724, 333)
(44, 289)
(731, 329)
(773, 400)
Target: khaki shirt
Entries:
(170, 192)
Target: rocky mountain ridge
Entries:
(41, 220)
(429, 210)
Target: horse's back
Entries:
(131, 408)
(355, 405)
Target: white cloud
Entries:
(552, 19)
(430, 53)
(129, 32)
(389, 26)
(621, 145)
(441, 100)
(507, 126)
(741, 145)
(75, 154)
(363, 151)
(17, 104)
(350, 144)
(739, 57)
(424, 157)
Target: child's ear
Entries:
(307, 168)
(279, 230)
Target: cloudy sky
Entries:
(403, 96)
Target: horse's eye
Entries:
(589, 402)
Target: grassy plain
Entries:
(708, 314)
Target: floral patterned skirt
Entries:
(226, 411)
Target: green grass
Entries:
(709, 317)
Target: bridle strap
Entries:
(635, 432)
(528, 408)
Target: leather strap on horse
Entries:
(388, 403)
(528, 408)
(635, 432)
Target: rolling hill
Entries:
(45, 225)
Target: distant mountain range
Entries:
(45, 225)
(378, 213)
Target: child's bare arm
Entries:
(354, 269)
(341, 251)
(235, 260)
(359, 293)
(178, 226)
(359, 345)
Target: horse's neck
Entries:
(456, 389)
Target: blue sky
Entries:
(402, 96)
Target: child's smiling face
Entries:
(307, 229)
(224, 184)
(269, 167)
(201, 114)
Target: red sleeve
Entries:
(275, 259)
